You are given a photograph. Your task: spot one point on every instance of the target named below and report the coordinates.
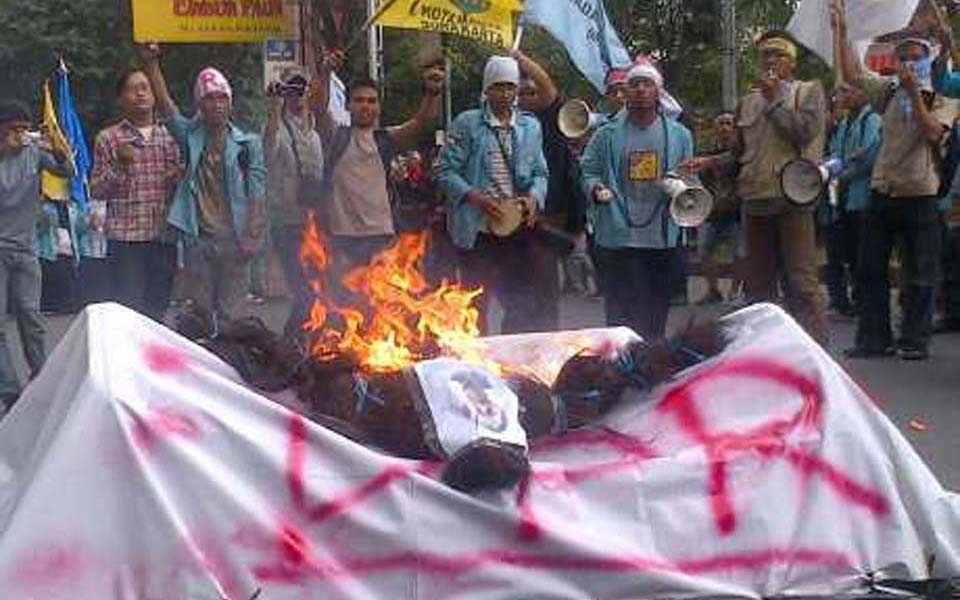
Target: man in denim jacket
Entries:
(218, 209)
(623, 169)
(492, 164)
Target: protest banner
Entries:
(487, 21)
(209, 20)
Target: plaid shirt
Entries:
(138, 196)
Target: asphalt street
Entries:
(922, 398)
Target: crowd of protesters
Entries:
(194, 203)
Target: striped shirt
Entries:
(500, 172)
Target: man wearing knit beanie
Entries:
(494, 175)
(219, 209)
(23, 156)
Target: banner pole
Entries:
(839, 45)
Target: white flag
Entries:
(583, 27)
(866, 19)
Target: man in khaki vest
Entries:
(904, 189)
(780, 120)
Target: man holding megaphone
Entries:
(624, 169)
(780, 121)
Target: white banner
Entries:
(866, 19)
(138, 466)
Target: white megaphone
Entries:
(577, 120)
(690, 204)
(803, 181)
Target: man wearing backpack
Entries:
(218, 208)
(903, 203)
(294, 160)
(356, 198)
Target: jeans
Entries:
(915, 223)
(784, 247)
(951, 274)
(286, 243)
(215, 276)
(843, 258)
(142, 275)
(20, 284)
(506, 268)
(636, 290)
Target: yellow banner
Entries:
(487, 21)
(52, 186)
(209, 20)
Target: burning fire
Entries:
(403, 321)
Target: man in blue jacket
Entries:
(494, 175)
(623, 171)
(219, 208)
(856, 141)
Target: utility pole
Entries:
(728, 19)
(374, 45)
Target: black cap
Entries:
(13, 110)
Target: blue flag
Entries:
(73, 129)
(584, 28)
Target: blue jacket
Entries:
(602, 163)
(857, 142)
(246, 176)
(465, 166)
(946, 81)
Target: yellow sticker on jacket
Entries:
(644, 166)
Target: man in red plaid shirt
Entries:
(136, 168)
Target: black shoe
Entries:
(913, 353)
(946, 326)
(867, 352)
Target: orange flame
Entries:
(402, 320)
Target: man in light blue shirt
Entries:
(492, 165)
(856, 141)
(623, 170)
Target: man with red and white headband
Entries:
(623, 171)
(219, 209)
(780, 120)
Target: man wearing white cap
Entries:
(623, 170)
(494, 175)
(218, 210)
(904, 189)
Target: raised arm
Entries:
(547, 89)
(851, 68)
(407, 135)
(318, 94)
(151, 65)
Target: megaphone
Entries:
(803, 181)
(690, 204)
(577, 120)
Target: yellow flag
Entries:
(487, 21)
(53, 187)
